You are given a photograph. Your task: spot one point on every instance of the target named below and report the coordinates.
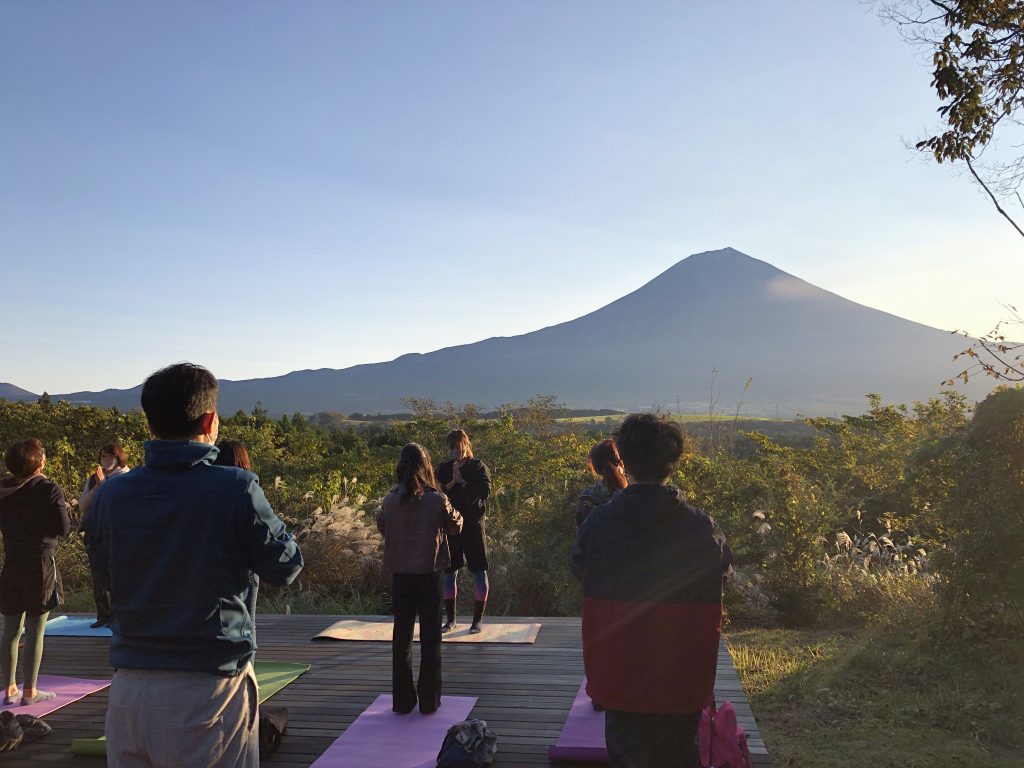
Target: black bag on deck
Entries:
(273, 724)
(10, 732)
(469, 744)
(16, 730)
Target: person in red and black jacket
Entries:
(652, 567)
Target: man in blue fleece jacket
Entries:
(177, 543)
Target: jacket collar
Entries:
(654, 489)
(178, 454)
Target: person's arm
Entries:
(61, 521)
(584, 504)
(381, 522)
(452, 519)
(95, 547)
(88, 496)
(445, 474)
(478, 484)
(578, 553)
(273, 552)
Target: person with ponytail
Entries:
(233, 453)
(467, 483)
(416, 521)
(605, 463)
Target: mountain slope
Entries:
(807, 350)
(15, 394)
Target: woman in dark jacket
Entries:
(606, 464)
(467, 483)
(33, 515)
(416, 520)
(113, 462)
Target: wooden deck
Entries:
(524, 691)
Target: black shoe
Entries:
(449, 612)
(428, 710)
(478, 614)
(97, 624)
(403, 710)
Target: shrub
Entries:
(984, 517)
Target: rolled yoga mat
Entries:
(354, 629)
(379, 738)
(75, 626)
(271, 677)
(582, 737)
(68, 690)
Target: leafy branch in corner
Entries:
(994, 354)
(977, 58)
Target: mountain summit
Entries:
(698, 331)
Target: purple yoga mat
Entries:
(68, 690)
(582, 738)
(379, 738)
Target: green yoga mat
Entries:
(271, 676)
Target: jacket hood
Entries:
(9, 485)
(178, 454)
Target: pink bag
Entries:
(723, 744)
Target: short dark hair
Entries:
(233, 453)
(25, 457)
(113, 448)
(650, 446)
(175, 399)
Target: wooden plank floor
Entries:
(524, 691)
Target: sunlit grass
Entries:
(883, 698)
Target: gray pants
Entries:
(159, 719)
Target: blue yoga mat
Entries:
(75, 626)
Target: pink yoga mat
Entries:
(582, 738)
(381, 739)
(68, 690)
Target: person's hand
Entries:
(457, 472)
(100, 474)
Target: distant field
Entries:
(682, 418)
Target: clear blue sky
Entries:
(268, 186)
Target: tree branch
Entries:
(995, 201)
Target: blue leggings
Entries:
(481, 586)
